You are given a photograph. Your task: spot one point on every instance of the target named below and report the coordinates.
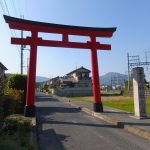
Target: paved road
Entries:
(62, 127)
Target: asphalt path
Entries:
(62, 127)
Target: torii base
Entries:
(29, 111)
(98, 107)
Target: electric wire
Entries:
(19, 8)
(5, 7)
(2, 6)
(14, 8)
(6, 11)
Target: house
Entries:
(75, 83)
(2, 70)
(77, 78)
(2, 76)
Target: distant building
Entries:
(75, 83)
(2, 77)
(2, 70)
(51, 81)
(77, 78)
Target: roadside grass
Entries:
(118, 102)
(15, 135)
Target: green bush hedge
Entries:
(17, 122)
(17, 82)
(6, 106)
(16, 89)
(15, 134)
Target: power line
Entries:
(5, 10)
(2, 6)
(134, 61)
(6, 7)
(14, 8)
(26, 6)
(19, 7)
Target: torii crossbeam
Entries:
(65, 31)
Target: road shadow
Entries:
(46, 99)
(49, 139)
(79, 124)
(137, 124)
(44, 111)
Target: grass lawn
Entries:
(118, 102)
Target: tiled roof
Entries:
(2, 66)
(78, 70)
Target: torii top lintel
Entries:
(65, 30)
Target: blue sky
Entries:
(131, 17)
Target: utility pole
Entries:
(22, 48)
(22, 53)
(134, 61)
(27, 64)
(128, 73)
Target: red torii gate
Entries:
(65, 31)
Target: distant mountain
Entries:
(113, 78)
(41, 79)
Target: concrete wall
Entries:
(79, 91)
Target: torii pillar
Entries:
(34, 41)
(30, 95)
(98, 107)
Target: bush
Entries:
(6, 106)
(15, 134)
(16, 88)
(17, 122)
(2, 83)
(17, 81)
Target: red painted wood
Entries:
(30, 95)
(95, 74)
(64, 43)
(27, 27)
(65, 31)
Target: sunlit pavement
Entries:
(62, 127)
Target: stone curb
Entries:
(98, 115)
(135, 130)
(140, 132)
(33, 121)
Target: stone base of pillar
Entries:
(29, 111)
(98, 107)
(139, 118)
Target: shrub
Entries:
(1, 111)
(15, 134)
(6, 106)
(17, 122)
(16, 88)
(2, 83)
(17, 81)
